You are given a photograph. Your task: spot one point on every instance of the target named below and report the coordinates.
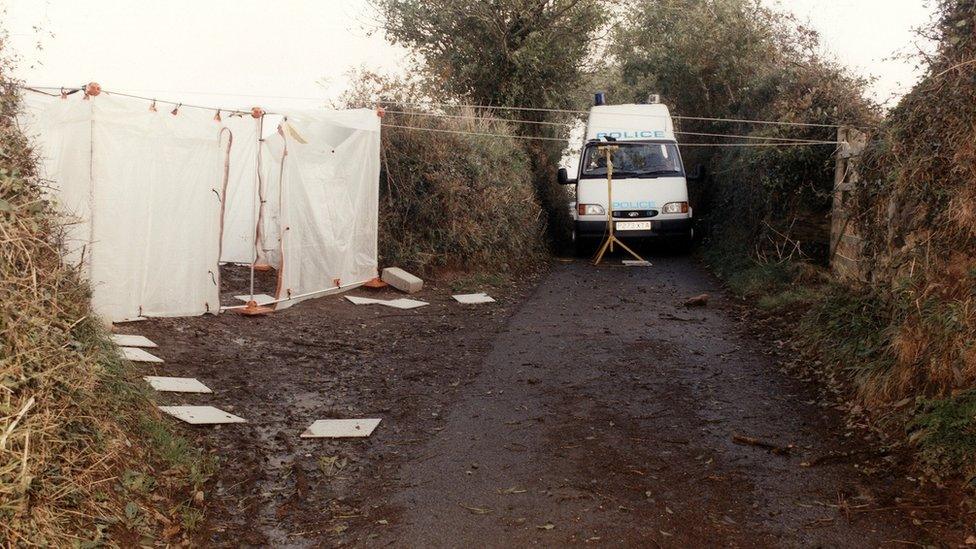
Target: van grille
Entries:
(633, 214)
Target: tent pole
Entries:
(252, 308)
(300, 296)
(257, 184)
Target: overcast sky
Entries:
(236, 53)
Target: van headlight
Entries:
(675, 208)
(590, 209)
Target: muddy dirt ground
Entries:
(588, 405)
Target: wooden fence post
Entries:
(845, 242)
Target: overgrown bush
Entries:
(916, 212)
(907, 337)
(448, 200)
(915, 209)
(739, 59)
(74, 466)
(946, 433)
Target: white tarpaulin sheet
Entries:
(61, 131)
(240, 214)
(143, 193)
(329, 193)
(156, 179)
(251, 200)
(143, 187)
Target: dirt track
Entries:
(591, 407)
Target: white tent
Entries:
(325, 167)
(240, 215)
(156, 200)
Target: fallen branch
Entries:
(841, 456)
(900, 508)
(670, 316)
(476, 510)
(774, 448)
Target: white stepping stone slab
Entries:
(341, 428)
(635, 263)
(138, 355)
(177, 384)
(260, 299)
(404, 303)
(363, 300)
(129, 340)
(201, 415)
(473, 299)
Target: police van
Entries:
(650, 192)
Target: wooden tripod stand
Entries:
(608, 150)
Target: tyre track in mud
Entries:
(605, 413)
(591, 407)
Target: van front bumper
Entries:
(663, 228)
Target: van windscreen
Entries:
(633, 160)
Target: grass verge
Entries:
(85, 459)
(855, 333)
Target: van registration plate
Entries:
(633, 225)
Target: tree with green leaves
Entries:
(524, 53)
(528, 53)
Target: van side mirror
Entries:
(697, 174)
(562, 177)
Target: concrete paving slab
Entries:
(138, 355)
(404, 303)
(177, 384)
(130, 340)
(341, 428)
(473, 299)
(362, 300)
(201, 415)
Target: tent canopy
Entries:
(155, 201)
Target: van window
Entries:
(634, 160)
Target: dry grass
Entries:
(915, 210)
(918, 217)
(72, 422)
